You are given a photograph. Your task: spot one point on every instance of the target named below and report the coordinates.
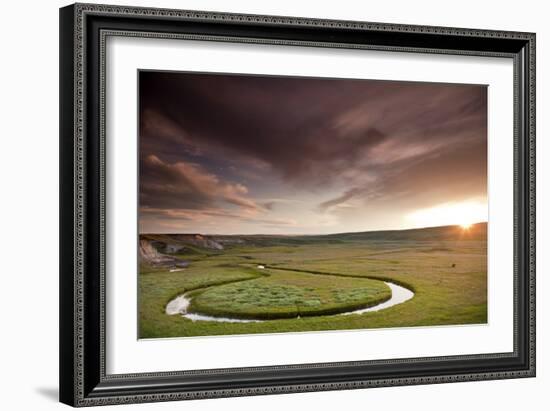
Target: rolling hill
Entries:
(199, 243)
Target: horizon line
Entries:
(316, 234)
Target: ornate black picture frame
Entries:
(83, 32)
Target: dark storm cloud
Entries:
(203, 135)
(284, 122)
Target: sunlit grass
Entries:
(449, 279)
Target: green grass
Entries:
(289, 294)
(295, 283)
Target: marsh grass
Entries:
(449, 279)
(288, 294)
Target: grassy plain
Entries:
(313, 277)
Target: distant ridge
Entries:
(476, 231)
(173, 243)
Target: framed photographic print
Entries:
(262, 204)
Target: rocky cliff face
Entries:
(150, 255)
(174, 243)
(198, 240)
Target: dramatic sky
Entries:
(237, 154)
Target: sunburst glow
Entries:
(463, 214)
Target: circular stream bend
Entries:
(180, 304)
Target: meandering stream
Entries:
(180, 304)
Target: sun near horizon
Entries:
(226, 154)
(463, 214)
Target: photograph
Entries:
(284, 204)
